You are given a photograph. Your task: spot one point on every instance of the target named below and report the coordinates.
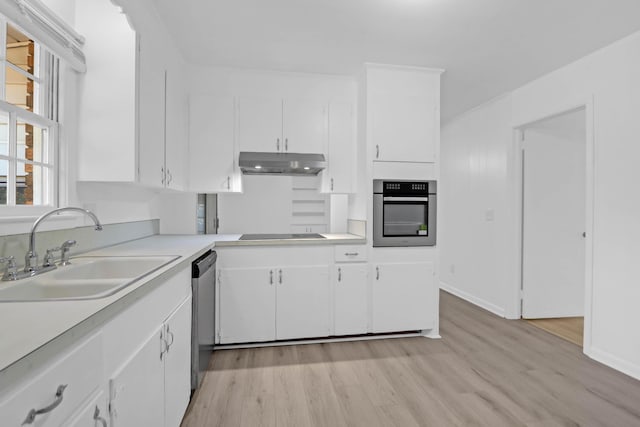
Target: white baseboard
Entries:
(614, 362)
(499, 311)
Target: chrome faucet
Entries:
(31, 258)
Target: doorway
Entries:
(554, 162)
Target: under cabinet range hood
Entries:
(258, 163)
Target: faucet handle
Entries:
(48, 258)
(66, 246)
(11, 272)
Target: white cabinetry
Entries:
(403, 113)
(340, 173)
(277, 125)
(153, 386)
(212, 154)
(59, 388)
(403, 296)
(350, 299)
(273, 294)
(92, 414)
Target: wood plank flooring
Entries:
(569, 328)
(485, 371)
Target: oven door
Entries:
(404, 221)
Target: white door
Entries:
(151, 113)
(136, 391)
(260, 124)
(212, 151)
(304, 126)
(404, 128)
(339, 177)
(553, 258)
(176, 130)
(403, 297)
(177, 364)
(303, 302)
(350, 299)
(247, 305)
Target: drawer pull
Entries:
(98, 418)
(351, 254)
(31, 416)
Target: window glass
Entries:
(32, 142)
(4, 171)
(4, 134)
(31, 184)
(21, 50)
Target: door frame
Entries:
(518, 131)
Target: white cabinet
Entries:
(212, 154)
(402, 113)
(350, 312)
(302, 302)
(403, 297)
(91, 414)
(136, 391)
(176, 129)
(61, 386)
(153, 386)
(277, 125)
(340, 173)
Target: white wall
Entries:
(478, 173)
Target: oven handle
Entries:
(405, 199)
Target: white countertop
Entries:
(28, 326)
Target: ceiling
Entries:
(487, 47)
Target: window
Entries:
(28, 131)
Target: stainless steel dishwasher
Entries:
(203, 287)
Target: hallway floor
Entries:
(568, 328)
(485, 371)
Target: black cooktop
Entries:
(281, 236)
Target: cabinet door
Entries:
(92, 414)
(151, 114)
(339, 176)
(177, 364)
(212, 153)
(247, 305)
(304, 126)
(136, 391)
(403, 295)
(176, 130)
(303, 302)
(403, 128)
(350, 299)
(260, 124)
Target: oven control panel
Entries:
(409, 188)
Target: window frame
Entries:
(46, 106)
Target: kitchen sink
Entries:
(86, 278)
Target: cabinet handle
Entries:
(280, 276)
(339, 274)
(170, 179)
(377, 273)
(377, 151)
(277, 144)
(331, 184)
(163, 345)
(31, 416)
(98, 418)
(271, 277)
(162, 175)
(286, 144)
(169, 334)
(228, 183)
(351, 254)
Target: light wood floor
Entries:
(485, 371)
(569, 328)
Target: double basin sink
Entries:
(85, 278)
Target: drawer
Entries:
(91, 414)
(350, 253)
(80, 370)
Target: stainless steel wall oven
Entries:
(404, 213)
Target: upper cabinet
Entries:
(403, 113)
(133, 100)
(282, 125)
(339, 176)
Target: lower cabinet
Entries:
(350, 299)
(153, 386)
(402, 296)
(249, 298)
(92, 414)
